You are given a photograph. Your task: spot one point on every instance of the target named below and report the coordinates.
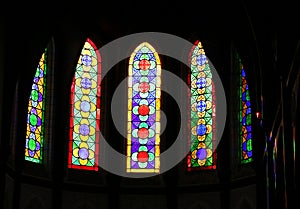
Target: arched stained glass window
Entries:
(244, 117)
(144, 89)
(35, 132)
(203, 112)
(85, 110)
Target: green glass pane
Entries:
(86, 98)
(244, 116)
(36, 110)
(206, 96)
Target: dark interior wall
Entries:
(265, 40)
(52, 188)
(2, 163)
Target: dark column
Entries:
(3, 143)
(223, 153)
(20, 68)
(68, 43)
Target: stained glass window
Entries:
(85, 110)
(245, 117)
(36, 113)
(144, 89)
(203, 112)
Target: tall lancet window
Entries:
(144, 91)
(36, 116)
(244, 116)
(85, 110)
(202, 123)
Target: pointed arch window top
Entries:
(145, 48)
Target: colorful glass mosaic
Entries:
(203, 112)
(85, 110)
(36, 111)
(245, 117)
(144, 91)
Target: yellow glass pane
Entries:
(131, 59)
(129, 138)
(86, 51)
(157, 152)
(41, 82)
(130, 81)
(129, 150)
(129, 115)
(128, 164)
(157, 127)
(158, 92)
(144, 170)
(157, 58)
(157, 163)
(37, 134)
(129, 127)
(39, 106)
(157, 105)
(129, 104)
(94, 61)
(41, 89)
(157, 112)
(157, 139)
(39, 112)
(158, 70)
(158, 82)
(130, 92)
